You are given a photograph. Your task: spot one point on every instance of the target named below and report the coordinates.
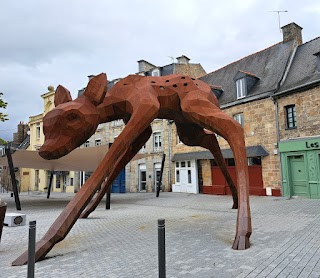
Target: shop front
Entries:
(300, 166)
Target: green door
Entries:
(298, 176)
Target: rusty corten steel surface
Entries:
(138, 100)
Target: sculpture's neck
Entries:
(108, 111)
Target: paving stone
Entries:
(122, 242)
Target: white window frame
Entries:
(97, 142)
(187, 165)
(87, 144)
(157, 141)
(241, 85)
(117, 122)
(155, 72)
(38, 130)
(239, 117)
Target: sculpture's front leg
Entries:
(131, 152)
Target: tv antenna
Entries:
(279, 16)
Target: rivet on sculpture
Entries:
(138, 100)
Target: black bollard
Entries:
(31, 248)
(161, 248)
(108, 197)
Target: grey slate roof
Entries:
(268, 65)
(304, 66)
(252, 151)
(25, 143)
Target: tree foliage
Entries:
(3, 142)
(3, 117)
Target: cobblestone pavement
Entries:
(200, 229)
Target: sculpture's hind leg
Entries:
(194, 135)
(204, 113)
(134, 148)
(144, 111)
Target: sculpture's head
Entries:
(72, 122)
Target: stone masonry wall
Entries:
(308, 114)
(260, 129)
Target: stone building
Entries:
(298, 123)
(274, 94)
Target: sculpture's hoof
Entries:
(235, 205)
(23, 259)
(241, 242)
(42, 249)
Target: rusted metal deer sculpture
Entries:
(138, 100)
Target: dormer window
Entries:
(241, 88)
(155, 72)
(318, 60)
(245, 82)
(216, 90)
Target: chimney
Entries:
(90, 76)
(292, 31)
(145, 66)
(183, 60)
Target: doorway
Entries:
(298, 176)
(142, 177)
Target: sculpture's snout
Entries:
(52, 150)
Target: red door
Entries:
(220, 187)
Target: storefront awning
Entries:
(81, 159)
(252, 151)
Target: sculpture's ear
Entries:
(97, 88)
(62, 95)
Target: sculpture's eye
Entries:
(73, 117)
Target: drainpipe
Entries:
(278, 138)
(275, 102)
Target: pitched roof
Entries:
(304, 66)
(268, 65)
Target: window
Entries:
(177, 176)
(38, 131)
(254, 161)
(97, 142)
(184, 172)
(143, 149)
(87, 144)
(239, 118)
(155, 72)
(157, 141)
(117, 122)
(241, 88)
(291, 116)
(189, 176)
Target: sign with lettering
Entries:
(299, 145)
(314, 145)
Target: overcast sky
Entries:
(62, 42)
